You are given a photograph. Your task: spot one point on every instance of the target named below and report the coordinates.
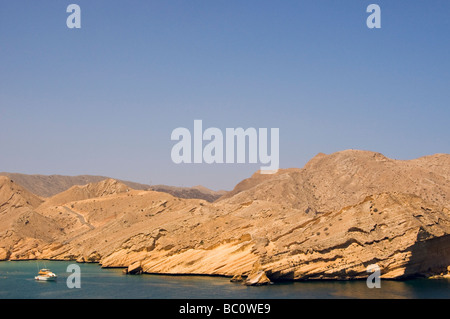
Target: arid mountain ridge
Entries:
(327, 220)
(50, 185)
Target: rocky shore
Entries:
(328, 220)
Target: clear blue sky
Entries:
(105, 98)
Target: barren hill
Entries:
(198, 192)
(18, 220)
(330, 182)
(92, 190)
(50, 185)
(328, 220)
(15, 196)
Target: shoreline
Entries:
(433, 277)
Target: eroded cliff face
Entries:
(400, 233)
(329, 220)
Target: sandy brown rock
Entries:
(257, 279)
(15, 196)
(330, 182)
(328, 220)
(135, 268)
(21, 227)
(237, 278)
(196, 192)
(400, 233)
(4, 254)
(93, 190)
(51, 185)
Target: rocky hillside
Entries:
(19, 222)
(93, 190)
(50, 185)
(198, 192)
(328, 220)
(330, 182)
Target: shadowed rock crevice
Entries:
(428, 257)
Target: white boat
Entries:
(46, 275)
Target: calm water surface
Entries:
(17, 281)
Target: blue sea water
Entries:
(17, 282)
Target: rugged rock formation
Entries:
(401, 233)
(80, 193)
(328, 220)
(15, 196)
(442, 275)
(257, 279)
(237, 278)
(330, 182)
(196, 192)
(134, 269)
(50, 185)
(4, 254)
(21, 228)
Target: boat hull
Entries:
(45, 278)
